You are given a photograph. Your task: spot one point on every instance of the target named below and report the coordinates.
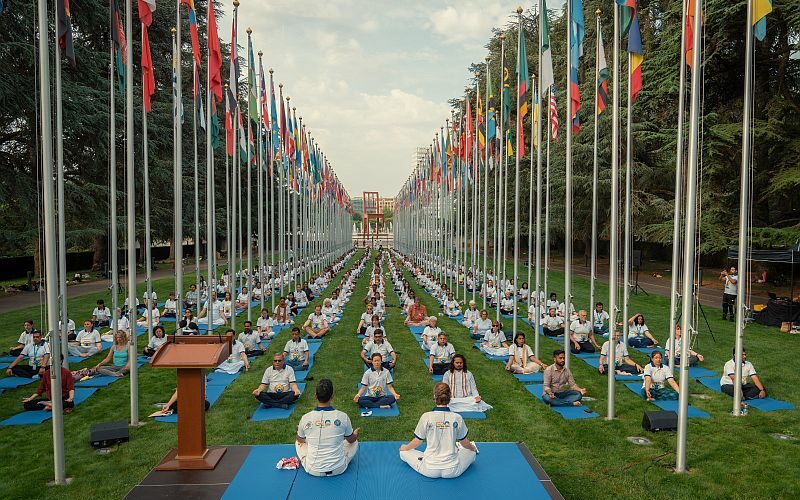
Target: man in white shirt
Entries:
(87, 342)
(170, 306)
(731, 279)
(316, 326)
(623, 364)
(25, 338)
(325, 441)
(264, 325)
(278, 388)
(251, 340)
(552, 324)
(448, 452)
(381, 346)
(37, 353)
(600, 319)
(754, 390)
(295, 352)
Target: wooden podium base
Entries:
(208, 461)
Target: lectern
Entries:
(191, 355)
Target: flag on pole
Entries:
(252, 84)
(553, 114)
(148, 79)
(547, 79)
(214, 55)
(120, 52)
(602, 75)
(506, 96)
(64, 27)
(536, 114)
(193, 31)
(146, 9)
(469, 133)
(760, 10)
(637, 55)
(229, 114)
(479, 113)
(273, 118)
(198, 99)
(491, 120)
(177, 107)
(233, 78)
(522, 79)
(576, 34)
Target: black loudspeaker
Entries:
(655, 421)
(108, 433)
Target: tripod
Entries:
(702, 311)
(636, 286)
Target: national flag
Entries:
(252, 84)
(506, 97)
(602, 75)
(64, 28)
(553, 114)
(177, 106)
(469, 133)
(760, 9)
(273, 118)
(229, 116)
(233, 78)
(298, 142)
(628, 6)
(491, 119)
(200, 115)
(193, 31)
(242, 140)
(214, 55)
(148, 79)
(637, 56)
(536, 116)
(146, 9)
(120, 51)
(479, 113)
(522, 96)
(576, 35)
(214, 124)
(547, 79)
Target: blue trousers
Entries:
(563, 398)
(375, 401)
(640, 342)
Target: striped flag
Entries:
(602, 75)
(637, 54)
(547, 79)
(522, 96)
(146, 9)
(148, 79)
(553, 114)
(576, 35)
(193, 31)
(760, 10)
(120, 53)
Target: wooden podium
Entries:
(191, 355)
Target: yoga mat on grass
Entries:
(263, 413)
(648, 350)
(7, 359)
(101, 380)
(39, 416)
(530, 377)
(472, 415)
(567, 412)
(586, 355)
(765, 404)
(394, 411)
(213, 393)
(595, 362)
(259, 470)
(3, 366)
(671, 405)
(436, 378)
(13, 382)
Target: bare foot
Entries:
(386, 407)
(576, 403)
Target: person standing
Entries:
(731, 280)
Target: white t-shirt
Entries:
(730, 284)
(376, 382)
(461, 383)
(483, 325)
(442, 353)
(442, 429)
(25, 338)
(637, 331)
(553, 322)
(730, 370)
(236, 352)
(507, 303)
(521, 354)
(35, 353)
(494, 339)
(156, 342)
(243, 298)
(104, 314)
(431, 333)
(621, 352)
(294, 350)
(278, 380)
(367, 318)
(88, 339)
(324, 430)
(384, 348)
(124, 324)
(264, 323)
(250, 341)
(599, 319)
(170, 305)
(580, 330)
(658, 376)
(317, 320)
(472, 315)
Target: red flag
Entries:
(193, 30)
(146, 9)
(148, 80)
(229, 111)
(214, 54)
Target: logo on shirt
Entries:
(444, 424)
(337, 422)
(322, 423)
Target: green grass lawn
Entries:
(734, 458)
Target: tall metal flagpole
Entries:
(210, 232)
(281, 209)
(475, 193)
(248, 169)
(50, 242)
(62, 240)
(534, 122)
(744, 210)
(195, 78)
(627, 233)
(613, 232)
(487, 147)
(516, 173)
(147, 242)
(112, 182)
(500, 260)
(547, 196)
(568, 191)
(260, 231)
(593, 265)
(273, 123)
(676, 218)
(131, 213)
(178, 169)
(689, 256)
(537, 316)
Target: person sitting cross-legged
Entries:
(507, 304)
(377, 386)
(117, 356)
(623, 364)
(448, 452)
(295, 352)
(41, 399)
(450, 306)
(481, 326)
(417, 314)
(659, 384)
(521, 358)
(316, 326)
(251, 340)
(494, 342)
(278, 387)
(471, 315)
(158, 339)
(441, 353)
(38, 355)
(639, 335)
(323, 449)
(87, 342)
(243, 299)
(170, 306)
(264, 325)
(553, 324)
(600, 320)
(560, 388)
(581, 335)
(25, 338)
(754, 390)
(101, 315)
(383, 347)
(463, 390)
(431, 333)
(237, 359)
(675, 347)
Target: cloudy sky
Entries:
(370, 78)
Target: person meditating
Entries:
(417, 314)
(471, 315)
(217, 313)
(639, 335)
(38, 356)
(754, 390)
(324, 449)
(150, 316)
(264, 325)
(552, 324)
(278, 387)
(251, 340)
(507, 304)
(87, 342)
(521, 358)
(441, 353)
(448, 452)
(381, 346)
(431, 333)
(316, 326)
(375, 324)
(366, 319)
(158, 339)
(295, 352)
(25, 338)
(559, 387)
(623, 364)
(236, 360)
(494, 342)
(41, 399)
(283, 314)
(101, 315)
(463, 391)
(170, 306)
(377, 387)
(600, 320)
(675, 347)
(481, 326)
(581, 335)
(243, 299)
(450, 306)
(659, 384)
(117, 356)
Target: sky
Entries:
(371, 79)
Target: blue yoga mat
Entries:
(567, 412)
(7, 359)
(436, 378)
(649, 350)
(263, 413)
(3, 366)
(527, 378)
(213, 393)
(168, 319)
(14, 382)
(417, 329)
(765, 404)
(472, 415)
(595, 362)
(698, 372)
(39, 416)
(312, 350)
(586, 355)
(223, 379)
(394, 411)
(259, 470)
(672, 405)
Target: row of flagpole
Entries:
(428, 220)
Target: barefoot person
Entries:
(323, 449)
(463, 390)
(521, 358)
(659, 384)
(560, 388)
(448, 452)
(278, 387)
(377, 386)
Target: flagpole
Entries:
(626, 258)
(281, 212)
(613, 232)
(261, 234)
(487, 145)
(62, 240)
(534, 137)
(500, 261)
(271, 160)
(248, 169)
(178, 170)
(537, 316)
(195, 78)
(146, 193)
(112, 179)
(210, 212)
(50, 242)
(568, 192)
(547, 197)
(520, 103)
(593, 265)
(475, 193)
(744, 212)
(228, 199)
(689, 250)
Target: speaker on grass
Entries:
(108, 433)
(655, 421)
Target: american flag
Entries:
(553, 114)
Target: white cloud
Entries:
(470, 21)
